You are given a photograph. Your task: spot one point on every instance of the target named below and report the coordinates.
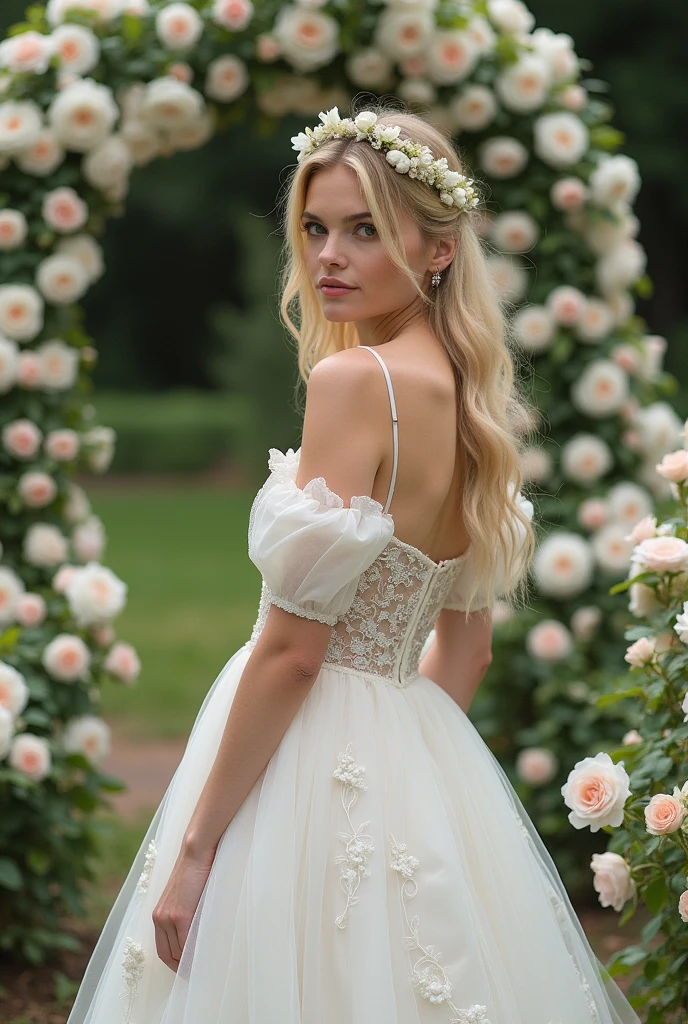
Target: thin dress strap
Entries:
(395, 428)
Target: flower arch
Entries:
(90, 90)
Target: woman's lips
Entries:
(332, 289)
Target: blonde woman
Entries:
(339, 845)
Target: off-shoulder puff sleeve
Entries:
(506, 575)
(309, 547)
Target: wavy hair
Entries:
(466, 314)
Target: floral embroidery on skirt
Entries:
(359, 845)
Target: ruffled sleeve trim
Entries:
(284, 467)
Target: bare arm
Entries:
(460, 655)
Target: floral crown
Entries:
(405, 156)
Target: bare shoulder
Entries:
(347, 383)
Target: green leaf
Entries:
(656, 895)
(38, 860)
(651, 929)
(10, 875)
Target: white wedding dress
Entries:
(382, 870)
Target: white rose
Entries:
(515, 231)
(67, 658)
(227, 78)
(620, 267)
(510, 279)
(595, 323)
(64, 210)
(21, 438)
(31, 609)
(645, 528)
(615, 182)
(9, 354)
(603, 235)
(95, 595)
(452, 55)
(169, 103)
(21, 312)
(42, 156)
(612, 550)
(563, 564)
(77, 507)
(13, 229)
(474, 109)
(100, 442)
(601, 389)
(44, 545)
(29, 370)
(510, 16)
(61, 279)
(88, 540)
(612, 879)
(568, 193)
(106, 10)
(86, 251)
(62, 445)
(661, 554)
(309, 39)
(14, 693)
(192, 135)
(142, 140)
(234, 15)
(77, 48)
(107, 166)
(87, 735)
(534, 328)
(566, 304)
(549, 640)
(557, 50)
(536, 465)
(123, 663)
(482, 34)
(536, 765)
(30, 755)
(179, 26)
(641, 653)
(11, 589)
(83, 114)
(523, 86)
(36, 489)
(20, 125)
(585, 621)
(659, 427)
(416, 90)
(502, 157)
(27, 52)
(402, 33)
(560, 139)
(573, 97)
(629, 503)
(368, 68)
(586, 458)
(596, 790)
(6, 731)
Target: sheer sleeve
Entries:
(309, 547)
(506, 576)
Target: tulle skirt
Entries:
(382, 870)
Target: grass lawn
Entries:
(192, 599)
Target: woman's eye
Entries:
(309, 224)
(371, 226)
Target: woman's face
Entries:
(341, 242)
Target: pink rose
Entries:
(596, 790)
(64, 210)
(674, 466)
(536, 765)
(67, 658)
(232, 14)
(612, 879)
(36, 489)
(62, 445)
(683, 906)
(631, 737)
(593, 513)
(566, 304)
(568, 193)
(62, 577)
(628, 357)
(643, 530)
(573, 97)
(181, 71)
(664, 814)
(662, 554)
(123, 663)
(31, 609)
(103, 635)
(29, 370)
(640, 653)
(549, 640)
(21, 438)
(268, 48)
(30, 755)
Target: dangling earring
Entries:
(436, 278)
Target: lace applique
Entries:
(284, 465)
(359, 844)
(317, 488)
(429, 978)
(367, 506)
(133, 963)
(144, 880)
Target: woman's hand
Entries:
(177, 905)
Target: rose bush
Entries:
(638, 793)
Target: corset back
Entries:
(397, 600)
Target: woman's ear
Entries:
(444, 250)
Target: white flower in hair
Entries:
(404, 155)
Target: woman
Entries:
(339, 845)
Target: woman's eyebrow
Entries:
(353, 216)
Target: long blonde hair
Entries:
(467, 316)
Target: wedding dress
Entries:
(382, 870)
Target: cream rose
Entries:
(549, 640)
(77, 48)
(664, 814)
(170, 104)
(611, 549)
(30, 755)
(64, 210)
(62, 445)
(66, 658)
(508, 277)
(107, 165)
(82, 114)
(474, 109)
(42, 156)
(568, 193)
(95, 595)
(29, 370)
(536, 765)
(20, 125)
(179, 26)
(21, 312)
(87, 735)
(534, 328)
(586, 458)
(13, 229)
(563, 564)
(308, 39)
(31, 609)
(234, 15)
(585, 621)
(123, 663)
(674, 466)
(515, 231)
(502, 157)
(21, 438)
(596, 791)
(61, 279)
(27, 52)
(612, 879)
(561, 139)
(227, 78)
(11, 589)
(44, 545)
(86, 251)
(566, 304)
(523, 86)
(601, 389)
(14, 693)
(88, 540)
(366, 68)
(641, 653)
(661, 554)
(451, 55)
(36, 489)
